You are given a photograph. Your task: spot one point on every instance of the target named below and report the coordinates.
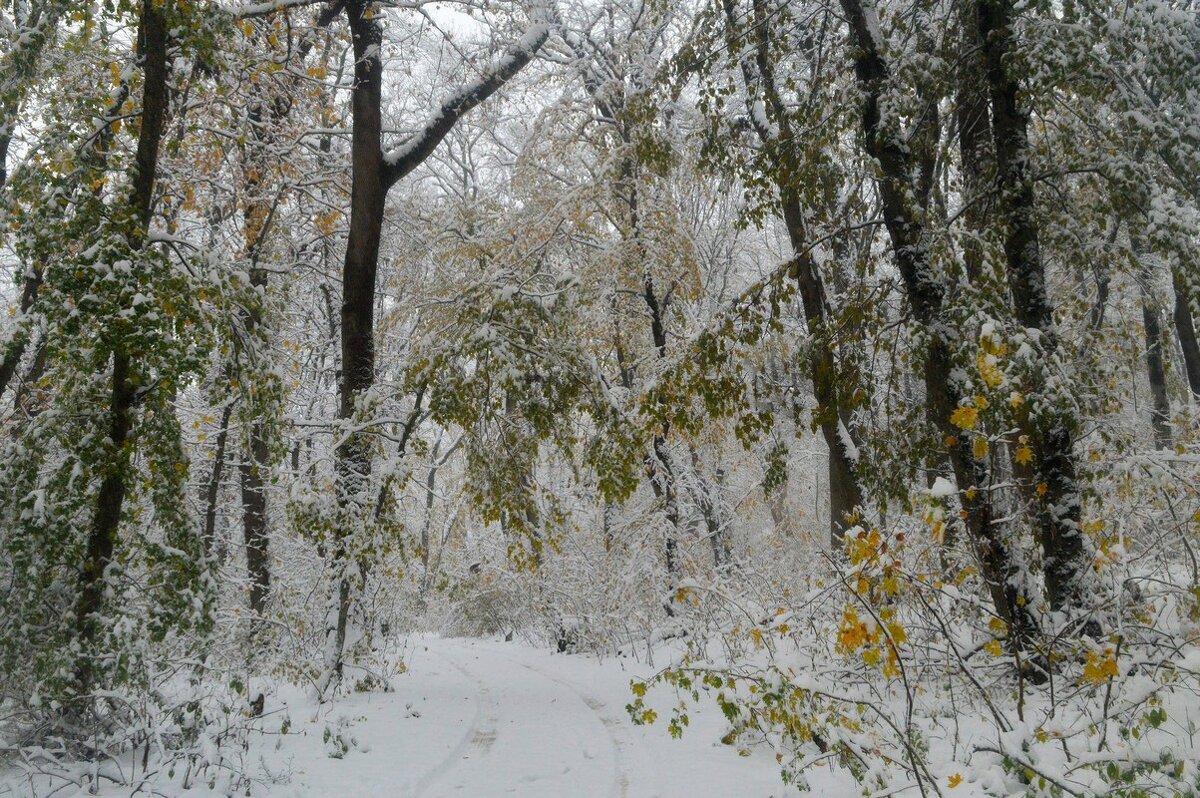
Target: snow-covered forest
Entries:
(667, 397)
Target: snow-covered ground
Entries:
(489, 718)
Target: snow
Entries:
(489, 718)
(942, 488)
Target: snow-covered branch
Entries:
(401, 161)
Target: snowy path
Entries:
(484, 718)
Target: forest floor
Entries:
(465, 717)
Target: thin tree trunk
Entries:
(213, 490)
(846, 498)
(8, 125)
(152, 47)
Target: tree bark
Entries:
(254, 522)
(1160, 405)
(971, 116)
(212, 492)
(367, 196)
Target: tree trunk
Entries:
(152, 48)
(1185, 328)
(367, 196)
(254, 522)
(1052, 424)
(371, 176)
(971, 116)
(1160, 405)
(256, 456)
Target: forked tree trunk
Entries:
(1001, 568)
(372, 175)
(367, 196)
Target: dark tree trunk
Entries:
(372, 176)
(999, 565)
(256, 457)
(662, 473)
(254, 522)
(367, 196)
(1052, 425)
(8, 125)
(1185, 328)
(16, 347)
(971, 116)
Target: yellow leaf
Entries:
(954, 780)
(1042, 487)
(980, 448)
(993, 647)
(965, 417)
(1023, 455)
(1100, 669)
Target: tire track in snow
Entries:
(476, 735)
(620, 780)
(619, 738)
